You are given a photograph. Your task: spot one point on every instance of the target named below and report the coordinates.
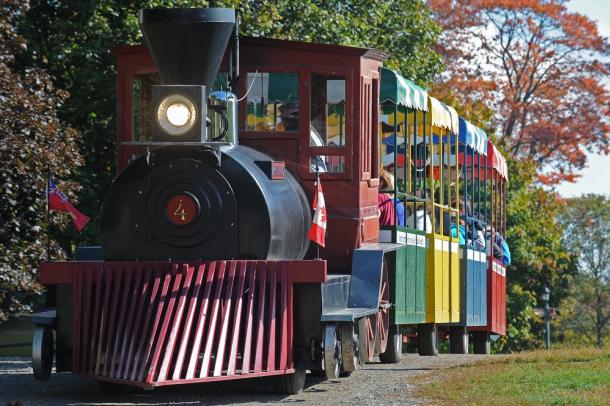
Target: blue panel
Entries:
(476, 291)
(471, 310)
(366, 278)
(483, 270)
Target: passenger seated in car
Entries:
(418, 218)
(497, 248)
(387, 204)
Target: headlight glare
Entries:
(176, 114)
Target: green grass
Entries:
(16, 337)
(559, 377)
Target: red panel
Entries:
(123, 360)
(496, 298)
(127, 329)
(237, 319)
(249, 319)
(284, 281)
(160, 304)
(272, 314)
(190, 373)
(313, 271)
(207, 353)
(135, 330)
(123, 316)
(260, 321)
(167, 321)
(56, 272)
(226, 311)
(189, 321)
(173, 335)
(141, 352)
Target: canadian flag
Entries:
(317, 232)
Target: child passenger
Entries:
(390, 209)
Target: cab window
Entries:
(272, 101)
(328, 114)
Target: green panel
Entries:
(407, 267)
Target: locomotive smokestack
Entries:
(187, 44)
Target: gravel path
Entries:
(373, 384)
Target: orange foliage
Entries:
(539, 67)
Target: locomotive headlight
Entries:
(176, 114)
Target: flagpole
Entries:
(48, 217)
(317, 186)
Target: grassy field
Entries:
(559, 377)
(16, 337)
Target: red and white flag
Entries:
(317, 232)
(58, 201)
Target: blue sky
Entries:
(596, 176)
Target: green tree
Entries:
(539, 255)
(33, 142)
(586, 222)
(73, 40)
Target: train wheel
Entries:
(350, 349)
(383, 315)
(367, 335)
(393, 351)
(42, 352)
(458, 340)
(291, 384)
(427, 339)
(332, 351)
(482, 345)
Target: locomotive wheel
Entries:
(458, 340)
(350, 349)
(482, 345)
(383, 315)
(393, 351)
(291, 384)
(332, 351)
(42, 352)
(367, 335)
(427, 339)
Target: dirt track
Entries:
(372, 384)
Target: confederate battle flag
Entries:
(59, 201)
(317, 232)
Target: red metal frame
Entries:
(496, 270)
(147, 332)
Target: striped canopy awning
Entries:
(472, 136)
(399, 90)
(496, 161)
(443, 116)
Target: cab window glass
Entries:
(328, 115)
(141, 105)
(273, 101)
(327, 164)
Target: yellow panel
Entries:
(455, 281)
(439, 283)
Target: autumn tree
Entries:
(33, 142)
(539, 68)
(540, 256)
(73, 40)
(587, 232)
